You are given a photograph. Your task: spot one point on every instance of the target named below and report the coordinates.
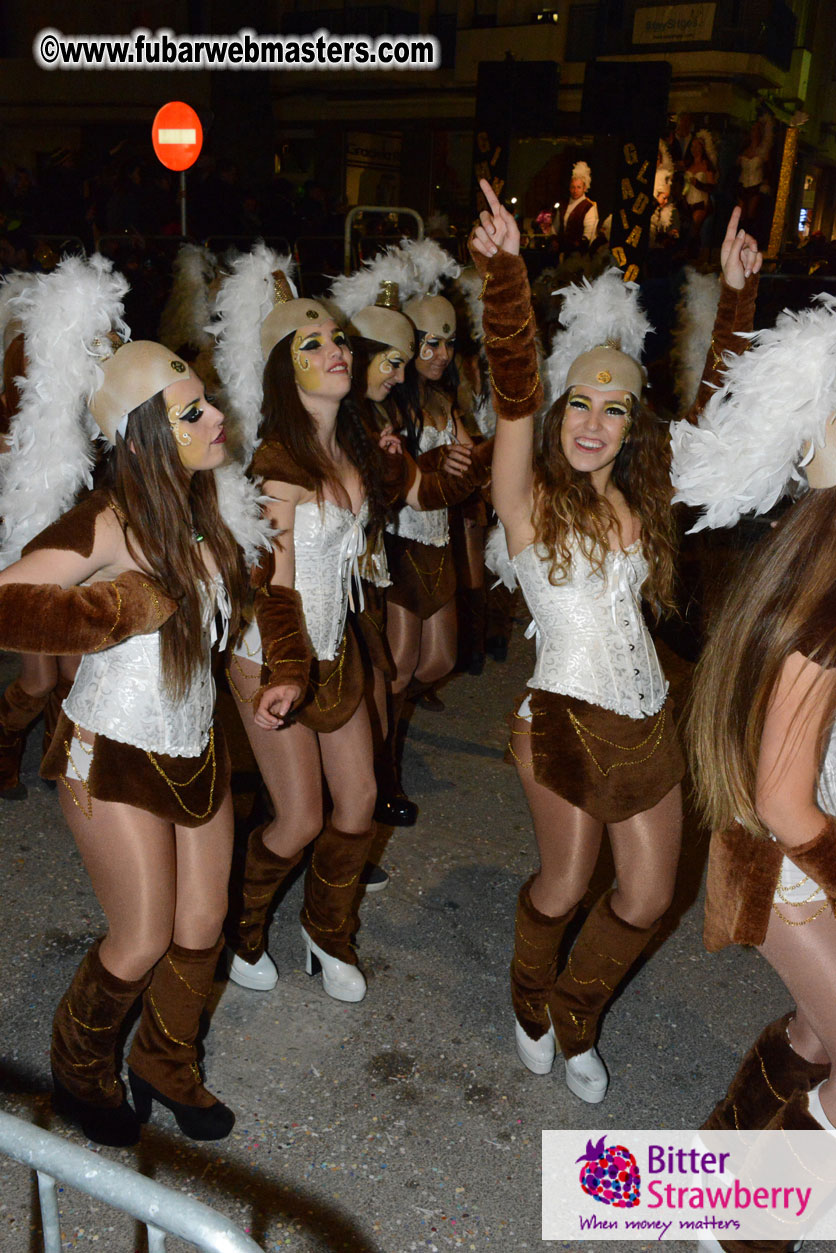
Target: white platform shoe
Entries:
(260, 976)
(586, 1076)
(536, 1055)
(341, 981)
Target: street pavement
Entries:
(406, 1122)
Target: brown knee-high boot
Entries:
(393, 806)
(770, 1073)
(537, 939)
(331, 889)
(17, 710)
(85, 1033)
(264, 873)
(603, 954)
(162, 1065)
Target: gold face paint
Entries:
(181, 437)
(305, 350)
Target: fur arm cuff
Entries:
(284, 640)
(735, 312)
(817, 858)
(46, 618)
(509, 335)
(439, 490)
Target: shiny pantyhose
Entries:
(421, 650)
(155, 881)
(39, 672)
(805, 959)
(471, 568)
(645, 849)
(292, 761)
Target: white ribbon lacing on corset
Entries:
(351, 550)
(223, 606)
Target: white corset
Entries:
(120, 693)
(428, 526)
(328, 542)
(592, 641)
(794, 887)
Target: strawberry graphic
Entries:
(610, 1175)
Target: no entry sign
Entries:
(177, 135)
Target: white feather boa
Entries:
(244, 299)
(695, 312)
(430, 263)
(497, 559)
(239, 502)
(607, 309)
(360, 289)
(759, 428)
(66, 317)
(186, 315)
(12, 286)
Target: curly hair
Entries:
(286, 420)
(568, 509)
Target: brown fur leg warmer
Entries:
(537, 939)
(331, 888)
(164, 1052)
(264, 874)
(770, 1073)
(86, 1029)
(601, 958)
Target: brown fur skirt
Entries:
(609, 765)
(371, 629)
(335, 688)
(423, 576)
(185, 790)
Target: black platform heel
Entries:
(210, 1122)
(116, 1126)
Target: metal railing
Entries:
(386, 210)
(164, 1211)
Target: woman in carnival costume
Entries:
(421, 609)
(762, 724)
(587, 515)
(383, 340)
(133, 578)
(43, 681)
(286, 366)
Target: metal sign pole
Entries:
(183, 230)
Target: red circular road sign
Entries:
(177, 135)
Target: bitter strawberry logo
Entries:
(610, 1175)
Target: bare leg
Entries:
(805, 958)
(403, 630)
(38, 673)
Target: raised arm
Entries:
(509, 338)
(740, 261)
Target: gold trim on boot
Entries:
(264, 873)
(770, 1073)
(163, 1062)
(332, 886)
(537, 939)
(592, 974)
(86, 1027)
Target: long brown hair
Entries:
(163, 507)
(286, 420)
(781, 601)
(568, 508)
